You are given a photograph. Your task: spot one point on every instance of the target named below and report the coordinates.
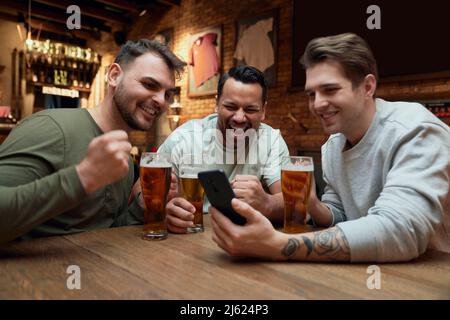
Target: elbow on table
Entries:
(409, 246)
(9, 233)
(6, 237)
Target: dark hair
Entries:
(348, 49)
(244, 74)
(135, 48)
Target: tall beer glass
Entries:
(155, 174)
(190, 186)
(296, 176)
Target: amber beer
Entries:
(155, 175)
(192, 191)
(296, 177)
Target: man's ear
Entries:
(370, 85)
(216, 109)
(264, 111)
(115, 72)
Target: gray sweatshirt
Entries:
(390, 193)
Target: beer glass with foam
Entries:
(155, 174)
(296, 178)
(190, 186)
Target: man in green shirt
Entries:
(68, 170)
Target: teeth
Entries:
(149, 109)
(328, 115)
(239, 128)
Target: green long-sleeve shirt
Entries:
(40, 191)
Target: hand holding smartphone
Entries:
(219, 193)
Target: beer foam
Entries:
(163, 165)
(189, 176)
(304, 168)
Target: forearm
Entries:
(133, 215)
(326, 245)
(320, 213)
(274, 208)
(26, 206)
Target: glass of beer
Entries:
(296, 176)
(190, 187)
(155, 173)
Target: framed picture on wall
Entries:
(257, 42)
(165, 37)
(205, 61)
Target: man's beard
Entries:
(120, 101)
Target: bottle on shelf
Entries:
(69, 78)
(35, 76)
(74, 58)
(59, 64)
(57, 57)
(41, 76)
(62, 58)
(50, 76)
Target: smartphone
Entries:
(219, 193)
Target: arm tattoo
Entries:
(309, 245)
(332, 244)
(329, 244)
(290, 247)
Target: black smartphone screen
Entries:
(219, 193)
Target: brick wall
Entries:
(194, 15)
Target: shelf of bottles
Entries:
(439, 109)
(57, 64)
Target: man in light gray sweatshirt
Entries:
(386, 165)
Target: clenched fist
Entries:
(106, 160)
(249, 189)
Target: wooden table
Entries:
(117, 264)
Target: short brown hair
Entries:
(348, 49)
(135, 48)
